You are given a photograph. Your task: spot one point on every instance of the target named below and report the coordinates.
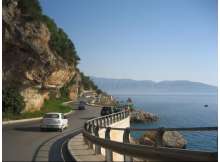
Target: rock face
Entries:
(74, 89)
(172, 139)
(141, 116)
(33, 98)
(28, 60)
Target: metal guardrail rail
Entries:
(150, 153)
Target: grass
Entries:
(51, 105)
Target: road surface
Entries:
(21, 141)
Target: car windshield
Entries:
(51, 116)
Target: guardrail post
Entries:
(110, 119)
(126, 140)
(93, 122)
(97, 147)
(104, 120)
(126, 113)
(159, 136)
(107, 118)
(85, 127)
(97, 122)
(90, 131)
(108, 152)
(101, 122)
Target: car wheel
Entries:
(42, 129)
(61, 129)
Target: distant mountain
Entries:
(135, 87)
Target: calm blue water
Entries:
(181, 111)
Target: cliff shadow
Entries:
(34, 129)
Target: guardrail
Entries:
(156, 152)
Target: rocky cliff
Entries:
(29, 62)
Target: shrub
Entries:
(12, 101)
(31, 8)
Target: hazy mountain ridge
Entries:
(129, 86)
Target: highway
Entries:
(21, 142)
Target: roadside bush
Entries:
(12, 101)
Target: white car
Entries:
(54, 120)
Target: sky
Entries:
(142, 39)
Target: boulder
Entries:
(148, 138)
(174, 139)
(133, 140)
(171, 139)
(146, 141)
(151, 135)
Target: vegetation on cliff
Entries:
(88, 84)
(12, 101)
(59, 41)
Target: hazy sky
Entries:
(141, 39)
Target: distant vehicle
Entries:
(116, 109)
(106, 111)
(206, 105)
(82, 105)
(54, 120)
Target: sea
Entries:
(181, 110)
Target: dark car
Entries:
(116, 109)
(82, 105)
(106, 111)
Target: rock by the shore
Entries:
(146, 141)
(133, 140)
(141, 116)
(172, 139)
(148, 138)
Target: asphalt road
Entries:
(21, 141)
